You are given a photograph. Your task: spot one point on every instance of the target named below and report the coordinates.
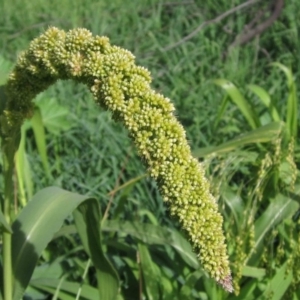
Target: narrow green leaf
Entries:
(128, 184)
(221, 111)
(40, 138)
(65, 230)
(51, 291)
(262, 134)
(253, 272)
(34, 228)
(88, 223)
(265, 98)
(239, 100)
(280, 208)
(23, 169)
(292, 103)
(151, 273)
(247, 292)
(185, 292)
(296, 295)
(261, 93)
(279, 284)
(133, 265)
(53, 270)
(212, 289)
(235, 204)
(151, 234)
(168, 286)
(87, 292)
(144, 212)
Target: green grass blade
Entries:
(34, 228)
(40, 138)
(71, 288)
(23, 170)
(239, 100)
(265, 98)
(65, 230)
(212, 290)
(189, 285)
(291, 116)
(235, 203)
(128, 184)
(151, 234)
(262, 134)
(51, 291)
(280, 208)
(151, 273)
(279, 284)
(88, 223)
(248, 271)
(221, 111)
(55, 269)
(247, 292)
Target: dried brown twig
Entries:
(215, 20)
(250, 32)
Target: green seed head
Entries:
(120, 86)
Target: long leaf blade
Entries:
(262, 134)
(279, 209)
(279, 284)
(265, 98)
(292, 103)
(151, 273)
(40, 138)
(23, 169)
(239, 100)
(88, 223)
(152, 234)
(71, 288)
(34, 228)
(190, 283)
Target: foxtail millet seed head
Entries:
(123, 88)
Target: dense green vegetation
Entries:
(247, 138)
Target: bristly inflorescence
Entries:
(120, 86)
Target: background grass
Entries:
(94, 153)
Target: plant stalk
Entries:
(7, 237)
